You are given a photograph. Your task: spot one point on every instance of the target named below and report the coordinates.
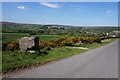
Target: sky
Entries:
(62, 13)
(60, 0)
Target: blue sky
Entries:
(65, 13)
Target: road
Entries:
(97, 63)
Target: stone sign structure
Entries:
(28, 43)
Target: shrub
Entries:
(51, 44)
(97, 39)
(60, 42)
(4, 45)
(89, 40)
(42, 44)
(13, 46)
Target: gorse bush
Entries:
(11, 46)
(51, 44)
(42, 44)
(4, 45)
(69, 41)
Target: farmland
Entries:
(8, 27)
(8, 37)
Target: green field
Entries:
(51, 37)
(9, 37)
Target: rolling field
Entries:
(9, 37)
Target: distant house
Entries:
(107, 34)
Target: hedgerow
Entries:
(69, 41)
(55, 43)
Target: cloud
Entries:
(109, 11)
(50, 5)
(21, 7)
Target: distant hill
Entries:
(54, 28)
(4, 23)
(16, 24)
(24, 24)
(22, 27)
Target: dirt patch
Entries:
(106, 40)
(80, 48)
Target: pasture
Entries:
(9, 37)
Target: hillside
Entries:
(12, 27)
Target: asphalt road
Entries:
(98, 63)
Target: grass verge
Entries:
(96, 45)
(14, 60)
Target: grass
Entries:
(51, 37)
(14, 60)
(8, 37)
(96, 45)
